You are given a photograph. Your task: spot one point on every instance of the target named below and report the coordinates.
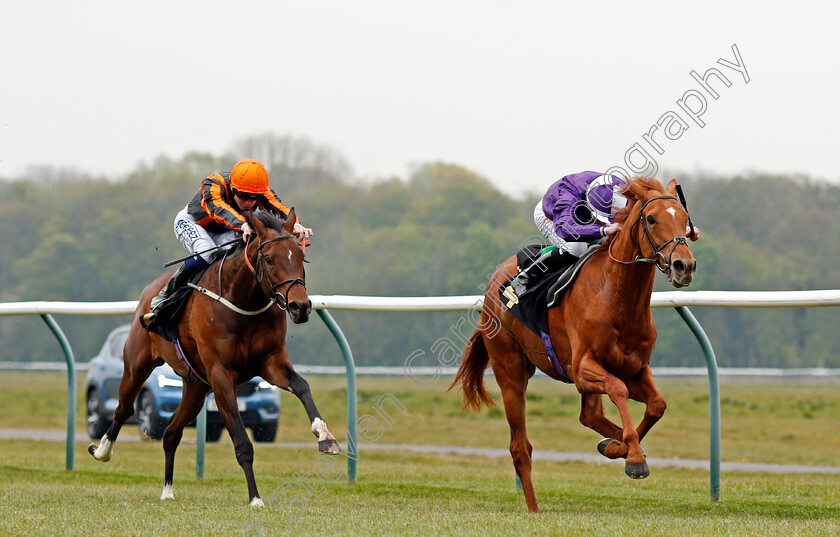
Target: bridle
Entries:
(261, 274)
(662, 263)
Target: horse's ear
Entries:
(255, 223)
(634, 190)
(289, 226)
(672, 187)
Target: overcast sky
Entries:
(520, 92)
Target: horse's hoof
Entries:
(636, 470)
(92, 448)
(257, 502)
(329, 446)
(167, 493)
(604, 444)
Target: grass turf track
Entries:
(402, 493)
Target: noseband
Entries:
(261, 274)
(662, 263)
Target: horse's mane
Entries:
(267, 219)
(643, 185)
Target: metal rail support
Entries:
(714, 401)
(71, 388)
(350, 365)
(201, 435)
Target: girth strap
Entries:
(183, 357)
(552, 356)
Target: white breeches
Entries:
(546, 227)
(196, 239)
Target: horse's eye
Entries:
(651, 220)
(268, 260)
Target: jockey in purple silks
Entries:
(575, 211)
(579, 209)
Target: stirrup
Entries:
(147, 319)
(519, 283)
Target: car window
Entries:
(117, 344)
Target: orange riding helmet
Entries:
(249, 176)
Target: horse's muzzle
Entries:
(299, 311)
(682, 272)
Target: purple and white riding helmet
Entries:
(604, 197)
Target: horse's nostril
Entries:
(297, 309)
(679, 266)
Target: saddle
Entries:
(165, 321)
(531, 306)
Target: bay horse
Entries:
(226, 347)
(602, 331)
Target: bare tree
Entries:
(295, 154)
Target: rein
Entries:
(257, 274)
(662, 263)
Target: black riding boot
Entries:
(541, 266)
(181, 276)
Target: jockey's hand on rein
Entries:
(612, 229)
(301, 231)
(693, 233)
(247, 232)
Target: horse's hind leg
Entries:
(512, 376)
(285, 378)
(189, 407)
(139, 363)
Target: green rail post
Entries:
(350, 365)
(200, 436)
(714, 401)
(71, 387)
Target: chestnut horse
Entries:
(602, 332)
(226, 347)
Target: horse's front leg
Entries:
(643, 389)
(592, 416)
(224, 389)
(591, 377)
(283, 376)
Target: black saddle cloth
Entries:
(165, 323)
(531, 306)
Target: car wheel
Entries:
(97, 422)
(214, 432)
(149, 421)
(265, 432)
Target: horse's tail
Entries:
(471, 374)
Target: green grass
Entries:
(405, 493)
(783, 423)
(397, 493)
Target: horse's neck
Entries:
(633, 283)
(239, 285)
